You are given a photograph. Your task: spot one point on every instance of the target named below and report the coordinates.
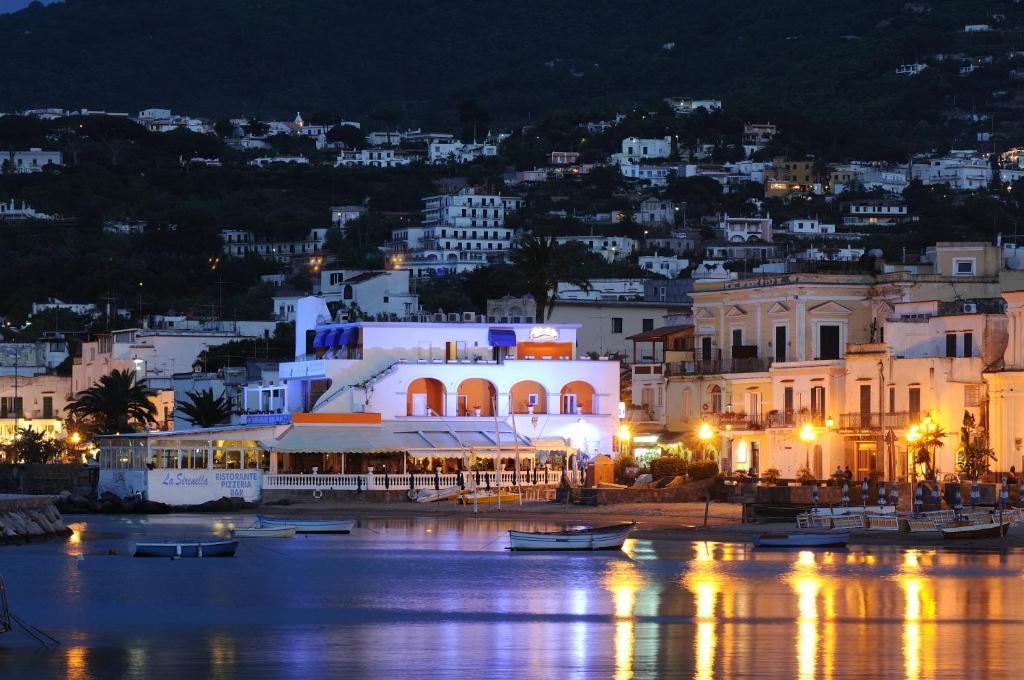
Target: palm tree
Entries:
(203, 410)
(116, 403)
(541, 265)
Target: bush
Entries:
(702, 469)
(668, 466)
(623, 461)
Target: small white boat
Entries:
(823, 539)
(264, 532)
(442, 494)
(586, 538)
(308, 526)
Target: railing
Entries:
(875, 421)
(376, 481)
(717, 366)
(266, 418)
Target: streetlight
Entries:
(624, 435)
(807, 436)
(913, 435)
(704, 434)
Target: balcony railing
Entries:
(715, 366)
(875, 421)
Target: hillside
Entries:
(412, 59)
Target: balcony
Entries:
(860, 422)
(717, 366)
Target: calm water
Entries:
(444, 599)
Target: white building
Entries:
(83, 308)
(264, 161)
(807, 227)
(910, 69)
(341, 215)
(741, 229)
(874, 212)
(656, 211)
(611, 248)
(844, 254)
(425, 398)
(684, 106)
(374, 158)
(33, 160)
(11, 211)
(459, 232)
(666, 265)
(36, 402)
(32, 358)
(636, 148)
(602, 289)
(357, 294)
(242, 242)
(439, 153)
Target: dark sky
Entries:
(15, 5)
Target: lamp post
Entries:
(913, 435)
(625, 436)
(704, 434)
(807, 436)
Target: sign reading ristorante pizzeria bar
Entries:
(543, 333)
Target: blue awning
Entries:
(501, 337)
(347, 337)
(319, 341)
(332, 337)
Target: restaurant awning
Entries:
(501, 337)
(320, 339)
(415, 435)
(552, 444)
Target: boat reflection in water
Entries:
(444, 597)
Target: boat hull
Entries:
(607, 538)
(260, 532)
(431, 495)
(990, 530)
(309, 526)
(485, 497)
(808, 540)
(187, 549)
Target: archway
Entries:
(425, 396)
(526, 393)
(577, 397)
(714, 402)
(476, 393)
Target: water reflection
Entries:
(445, 598)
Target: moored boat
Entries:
(308, 526)
(264, 532)
(823, 539)
(482, 497)
(187, 548)
(985, 530)
(442, 494)
(584, 538)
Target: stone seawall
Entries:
(271, 496)
(29, 518)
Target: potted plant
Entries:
(804, 476)
(529, 409)
(476, 411)
(771, 476)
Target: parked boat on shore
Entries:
(584, 538)
(431, 495)
(308, 526)
(984, 530)
(187, 548)
(264, 532)
(482, 497)
(823, 539)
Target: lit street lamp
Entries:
(704, 434)
(807, 436)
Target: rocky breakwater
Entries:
(29, 518)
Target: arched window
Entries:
(476, 393)
(578, 397)
(424, 397)
(715, 399)
(348, 292)
(526, 394)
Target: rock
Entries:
(64, 495)
(153, 508)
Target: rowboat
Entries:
(824, 539)
(482, 497)
(583, 538)
(187, 548)
(308, 526)
(431, 495)
(986, 530)
(264, 532)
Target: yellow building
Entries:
(788, 178)
(828, 370)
